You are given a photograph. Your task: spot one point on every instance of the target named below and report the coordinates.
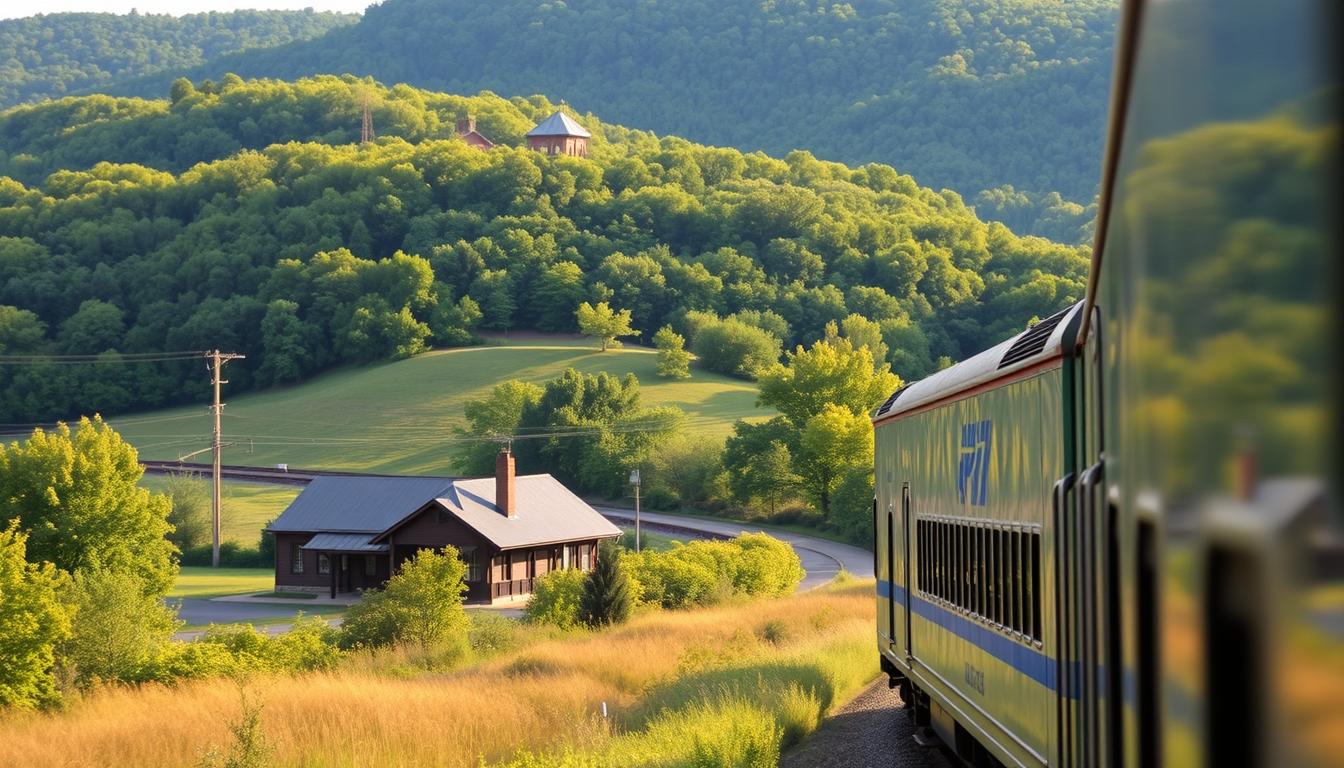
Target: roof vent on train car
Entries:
(890, 401)
(1033, 341)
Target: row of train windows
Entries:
(990, 572)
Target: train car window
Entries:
(1001, 575)
(942, 560)
(1034, 585)
(980, 587)
(1015, 580)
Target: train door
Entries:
(1093, 536)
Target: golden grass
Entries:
(542, 698)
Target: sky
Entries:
(10, 9)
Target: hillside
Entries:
(965, 94)
(399, 417)
(283, 241)
(52, 55)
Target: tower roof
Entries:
(559, 124)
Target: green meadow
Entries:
(400, 417)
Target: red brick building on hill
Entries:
(346, 534)
(559, 134)
(466, 128)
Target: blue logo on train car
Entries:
(973, 471)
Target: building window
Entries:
(472, 557)
(323, 563)
(296, 558)
(370, 565)
(584, 560)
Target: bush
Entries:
(732, 347)
(662, 498)
(555, 599)
(704, 572)
(33, 620)
(492, 634)
(852, 507)
(118, 633)
(421, 604)
(768, 566)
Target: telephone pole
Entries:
(217, 361)
(366, 134)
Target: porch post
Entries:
(332, 568)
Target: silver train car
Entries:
(1114, 538)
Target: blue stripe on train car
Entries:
(1028, 661)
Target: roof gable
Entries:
(547, 512)
(559, 124)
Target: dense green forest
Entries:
(52, 55)
(970, 95)
(315, 251)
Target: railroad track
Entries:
(254, 474)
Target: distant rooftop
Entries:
(559, 124)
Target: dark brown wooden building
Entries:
(346, 534)
(559, 134)
(466, 128)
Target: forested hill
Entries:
(52, 55)
(965, 94)
(316, 251)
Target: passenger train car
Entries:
(1114, 538)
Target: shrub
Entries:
(231, 555)
(671, 581)
(606, 590)
(734, 348)
(250, 748)
(555, 599)
(704, 572)
(674, 362)
(492, 634)
(117, 632)
(768, 566)
(421, 604)
(662, 498)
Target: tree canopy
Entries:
(272, 236)
(56, 54)
(970, 95)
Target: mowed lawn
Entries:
(399, 417)
(199, 581)
(245, 507)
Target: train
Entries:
(1113, 539)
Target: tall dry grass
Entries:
(542, 698)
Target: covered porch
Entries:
(351, 560)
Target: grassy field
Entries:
(681, 687)
(197, 581)
(399, 417)
(245, 507)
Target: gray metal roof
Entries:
(344, 542)
(353, 504)
(559, 124)
(547, 512)
(349, 513)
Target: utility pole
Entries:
(634, 480)
(217, 361)
(366, 134)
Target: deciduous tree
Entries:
(603, 323)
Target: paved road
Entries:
(869, 732)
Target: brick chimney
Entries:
(505, 497)
(466, 125)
